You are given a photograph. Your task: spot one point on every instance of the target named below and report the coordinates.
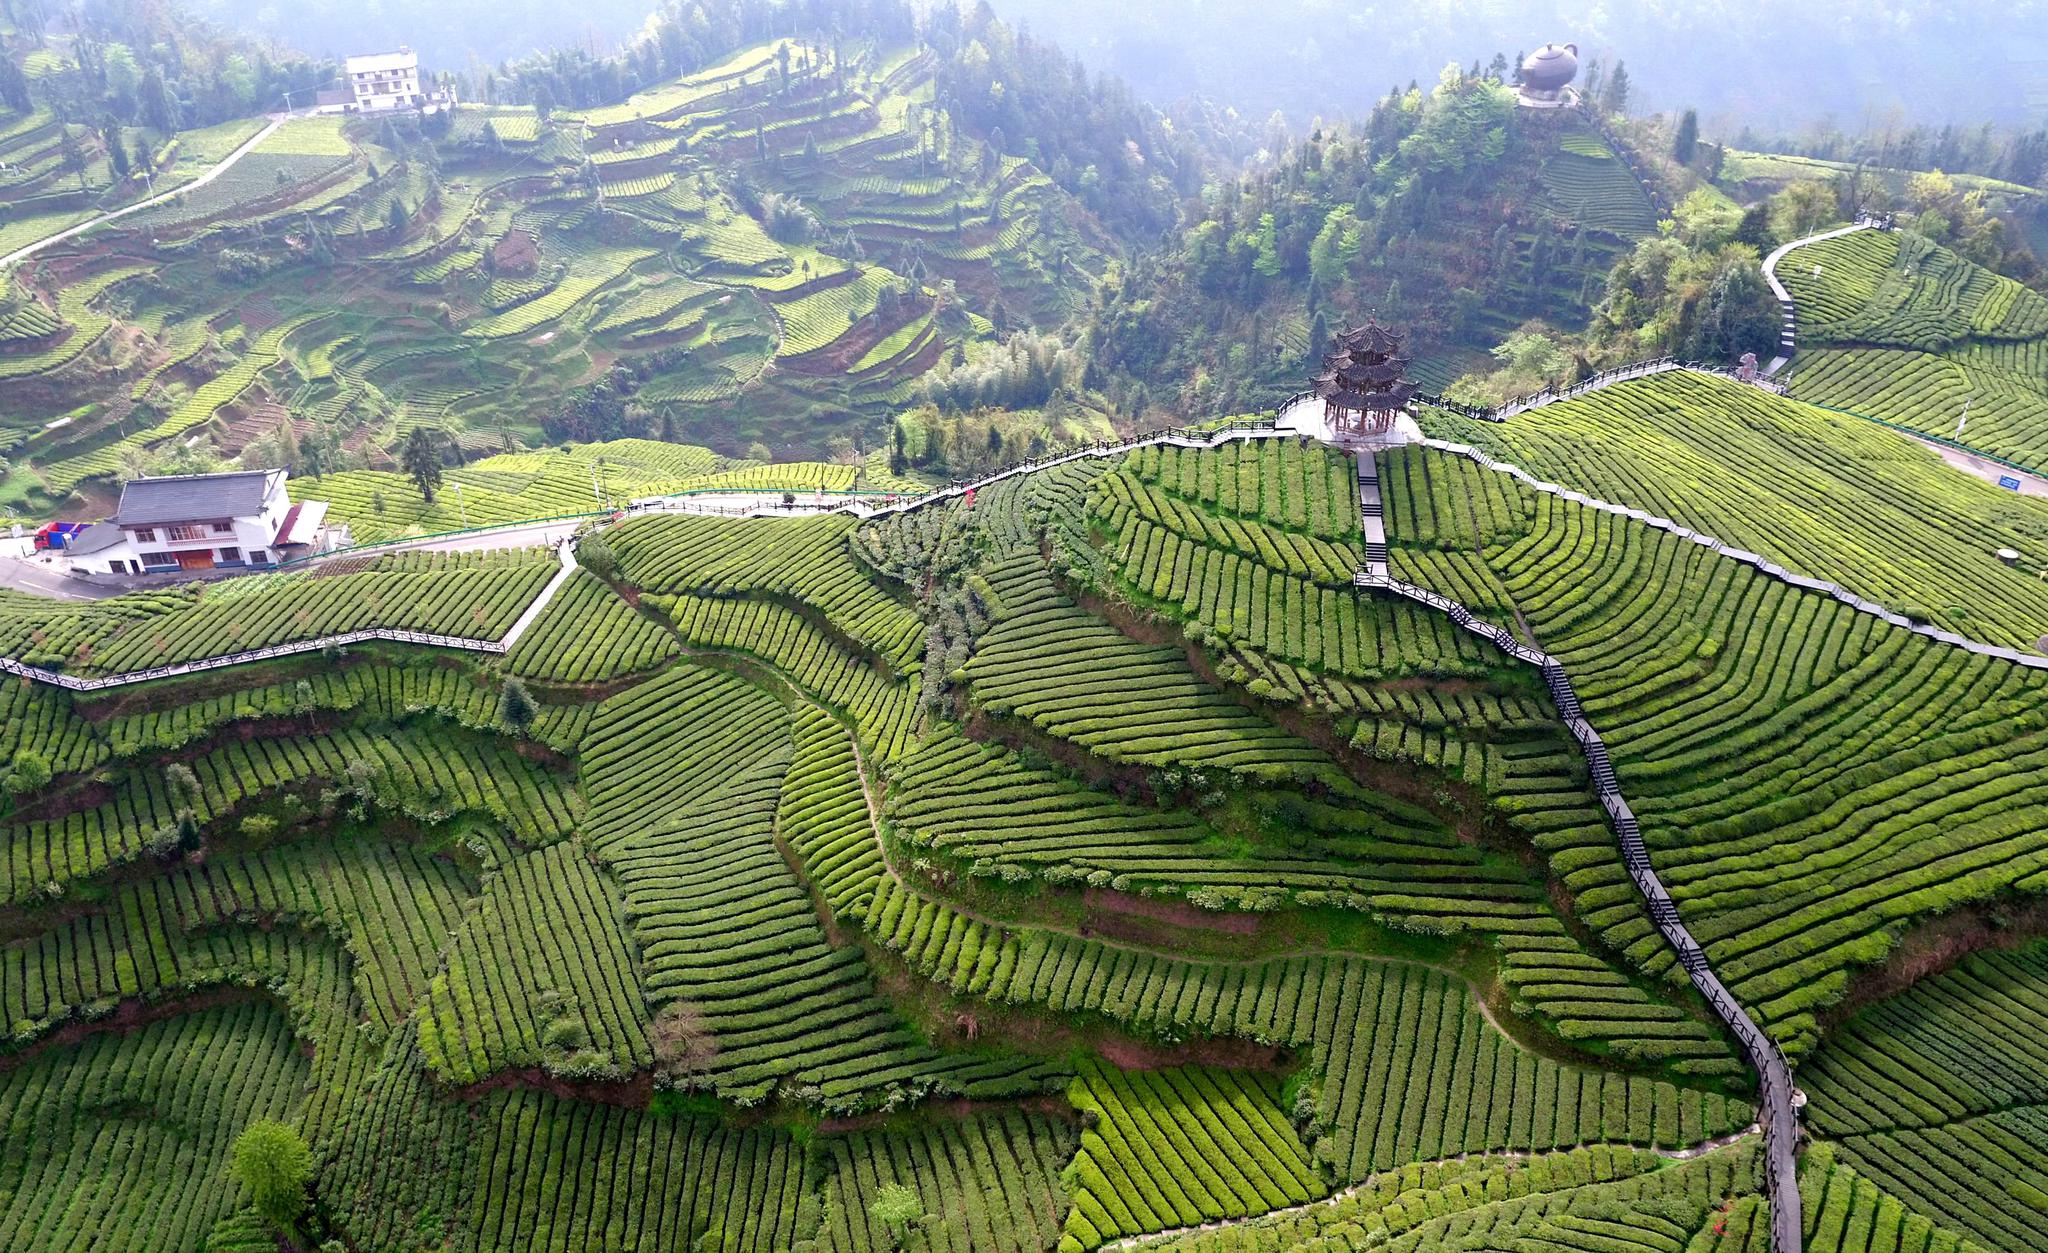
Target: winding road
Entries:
(91, 224)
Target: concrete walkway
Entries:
(1307, 416)
(222, 167)
(1779, 1100)
(1788, 334)
(42, 576)
(1982, 467)
(565, 552)
(1805, 583)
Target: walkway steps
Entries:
(1371, 516)
(1789, 332)
(1777, 1096)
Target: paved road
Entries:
(23, 253)
(46, 579)
(532, 535)
(1989, 471)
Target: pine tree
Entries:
(1617, 89)
(516, 707)
(421, 456)
(14, 90)
(1688, 141)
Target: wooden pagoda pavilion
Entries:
(1360, 383)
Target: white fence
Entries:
(503, 644)
(1771, 568)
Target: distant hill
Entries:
(1453, 214)
(802, 226)
(456, 36)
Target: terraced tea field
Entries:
(367, 298)
(1893, 326)
(1125, 853)
(1588, 184)
(1717, 687)
(827, 819)
(1824, 494)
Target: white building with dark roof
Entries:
(186, 523)
(384, 80)
(378, 82)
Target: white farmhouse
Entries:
(385, 80)
(192, 522)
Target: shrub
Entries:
(259, 828)
(896, 1207)
(30, 774)
(272, 1161)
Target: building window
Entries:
(223, 528)
(230, 554)
(186, 530)
(145, 535)
(159, 559)
(258, 557)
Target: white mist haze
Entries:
(1777, 65)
